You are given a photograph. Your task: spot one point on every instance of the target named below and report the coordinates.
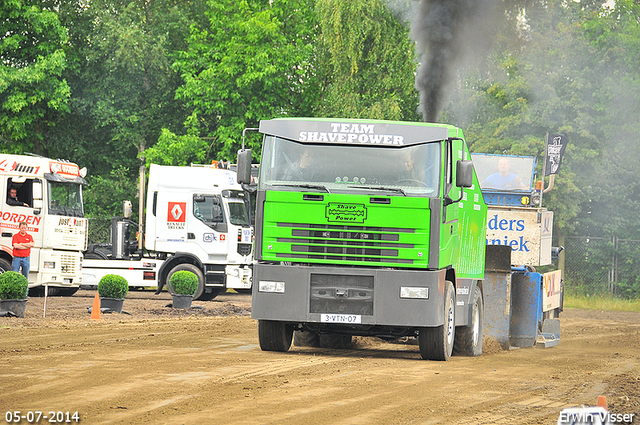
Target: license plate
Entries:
(341, 318)
(68, 281)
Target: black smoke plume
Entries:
(448, 34)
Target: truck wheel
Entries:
(335, 341)
(193, 269)
(468, 340)
(436, 343)
(306, 339)
(274, 336)
(5, 266)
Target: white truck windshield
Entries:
(65, 199)
(412, 170)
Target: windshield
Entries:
(413, 170)
(65, 199)
(504, 172)
(238, 212)
(238, 202)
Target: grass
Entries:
(598, 302)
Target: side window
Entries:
(208, 209)
(19, 192)
(449, 167)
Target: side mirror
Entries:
(37, 190)
(244, 166)
(464, 173)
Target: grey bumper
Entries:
(310, 293)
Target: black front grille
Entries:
(244, 248)
(350, 243)
(340, 294)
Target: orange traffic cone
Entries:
(95, 310)
(602, 402)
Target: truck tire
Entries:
(468, 340)
(306, 339)
(5, 266)
(436, 343)
(95, 255)
(274, 336)
(193, 269)
(335, 341)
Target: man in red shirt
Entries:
(22, 243)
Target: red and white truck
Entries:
(50, 192)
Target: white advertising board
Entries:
(527, 231)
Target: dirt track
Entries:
(158, 365)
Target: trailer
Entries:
(526, 303)
(197, 219)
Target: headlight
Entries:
(268, 286)
(414, 292)
(49, 265)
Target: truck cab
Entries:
(370, 228)
(200, 215)
(50, 202)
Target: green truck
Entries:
(367, 228)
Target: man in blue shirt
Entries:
(503, 179)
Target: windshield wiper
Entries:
(390, 189)
(308, 186)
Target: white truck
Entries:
(196, 219)
(50, 195)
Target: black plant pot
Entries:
(114, 304)
(17, 307)
(182, 301)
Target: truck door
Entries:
(449, 230)
(208, 226)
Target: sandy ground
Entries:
(204, 366)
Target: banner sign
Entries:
(556, 144)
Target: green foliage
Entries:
(172, 149)
(113, 286)
(254, 60)
(13, 286)
(104, 195)
(567, 74)
(367, 60)
(184, 282)
(32, 87)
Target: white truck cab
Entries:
(50, 195)
(197, 219)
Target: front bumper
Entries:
(317, 294)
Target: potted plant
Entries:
(183, 285)
(112, 290)
(13, 292)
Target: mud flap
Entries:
(550, 334)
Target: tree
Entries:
(123, 87)
(546, 85)
(252, 61)
(177, 150)
(367, 60)
(33, 93)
